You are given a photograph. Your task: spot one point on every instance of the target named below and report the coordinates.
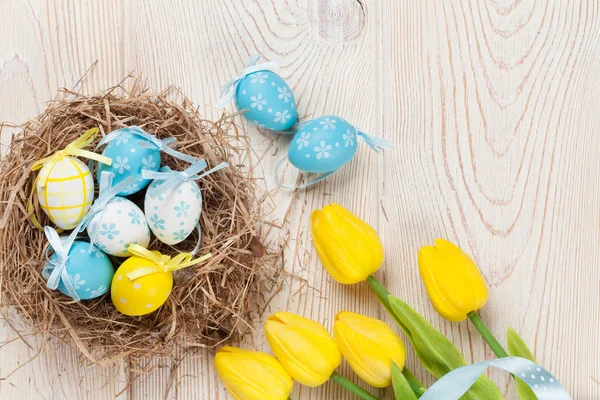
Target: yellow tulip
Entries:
(370, 346)
(252, 375)
(348, 247)
(304, 347)
(453, 281)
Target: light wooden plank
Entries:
(490, 106)
(491, 101)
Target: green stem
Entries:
(382, 294)
(487, 335)
(345, 383)
(414, 383)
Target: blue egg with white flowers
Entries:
(130, 155)
(89, 270)
(268, 99)
(323, 144)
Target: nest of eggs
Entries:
(211, 302)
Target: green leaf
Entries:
(402, 389)
(437, 354)
(517, 347)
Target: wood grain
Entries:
(492, 109)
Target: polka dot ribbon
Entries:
(73, 149)
(456, 383)
(162, 262)
(172, 179)
(55, 270)
(228, 91)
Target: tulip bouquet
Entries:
(350, 250)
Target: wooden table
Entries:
(492, 106)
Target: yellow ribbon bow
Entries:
(163, 263)
(73, 149)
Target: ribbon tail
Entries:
(280, 183)
(375, 143)
(138, 273)
(181, 156)
(91, 156)
(212, 170)
(227, 94)
(66, 279)
(197, 247)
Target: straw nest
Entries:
(210, 302)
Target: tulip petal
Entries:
(349, 249)
(303, 347)
(252, 375)
(453, 281)
(378, 332)
(364, 356)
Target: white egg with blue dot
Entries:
(118, 226)
(130, 155)
(173, 214)
(89, 270)
(323, 144)
(268, 101)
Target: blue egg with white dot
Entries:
(89, 270)
(130, 155)
(268, 99)
(323, 144)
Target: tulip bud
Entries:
(370, 347)
(453, 281)
(304, 347)
(252, 375)
(349, 248)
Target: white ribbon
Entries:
(457, 382)
(172, 179)
(55, 269)
(228, 91)
(160, 144)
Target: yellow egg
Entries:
(68, 193)
(142, 295)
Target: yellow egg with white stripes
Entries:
(67, 193)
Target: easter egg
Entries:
(130, 155)
(119, 225)
(67, 193)
(142, 295)
(90, 271)
(323, 144)
(173, 215)
(268, 100)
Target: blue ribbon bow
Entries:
(55, 270)
(457, 382)
(172, 179)
(228, 91)
(160, 144)
(107, 192)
